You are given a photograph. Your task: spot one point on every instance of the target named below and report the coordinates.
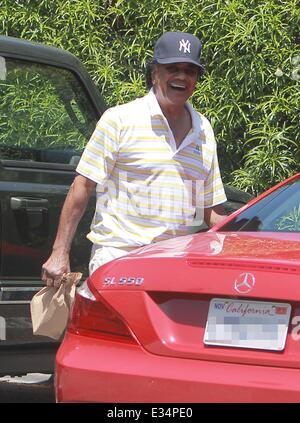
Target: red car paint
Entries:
(138, 334)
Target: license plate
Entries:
(247, 324)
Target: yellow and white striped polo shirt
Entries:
(147, 188)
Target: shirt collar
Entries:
(155, 110)
(153, 104)
(196, 119)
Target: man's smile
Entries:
(177, 86)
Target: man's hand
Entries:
(214, 215)
(73, 209)
(55, 267)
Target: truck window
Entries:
(45, 113)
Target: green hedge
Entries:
(251, 49)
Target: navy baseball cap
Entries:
(178, 47)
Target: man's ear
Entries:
(153, 74)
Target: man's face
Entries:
(174, 83)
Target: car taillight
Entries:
(91, 316)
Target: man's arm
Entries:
(214, 215)
(74, 207)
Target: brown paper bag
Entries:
(50, 307)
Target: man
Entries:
(152, 161)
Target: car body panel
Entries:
(162, 293)
(132, 375)
(157, 315)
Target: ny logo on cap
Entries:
(186, 45)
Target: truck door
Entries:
(46, 118)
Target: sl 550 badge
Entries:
(123, 281)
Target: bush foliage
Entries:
(251, 49)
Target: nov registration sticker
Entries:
(247, 324)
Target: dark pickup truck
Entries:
(49, 107)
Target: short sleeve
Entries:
(214, 193)
(99, 156)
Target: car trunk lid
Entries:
(168, 310)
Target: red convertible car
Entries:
(208, 317)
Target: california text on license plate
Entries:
(247, 324)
